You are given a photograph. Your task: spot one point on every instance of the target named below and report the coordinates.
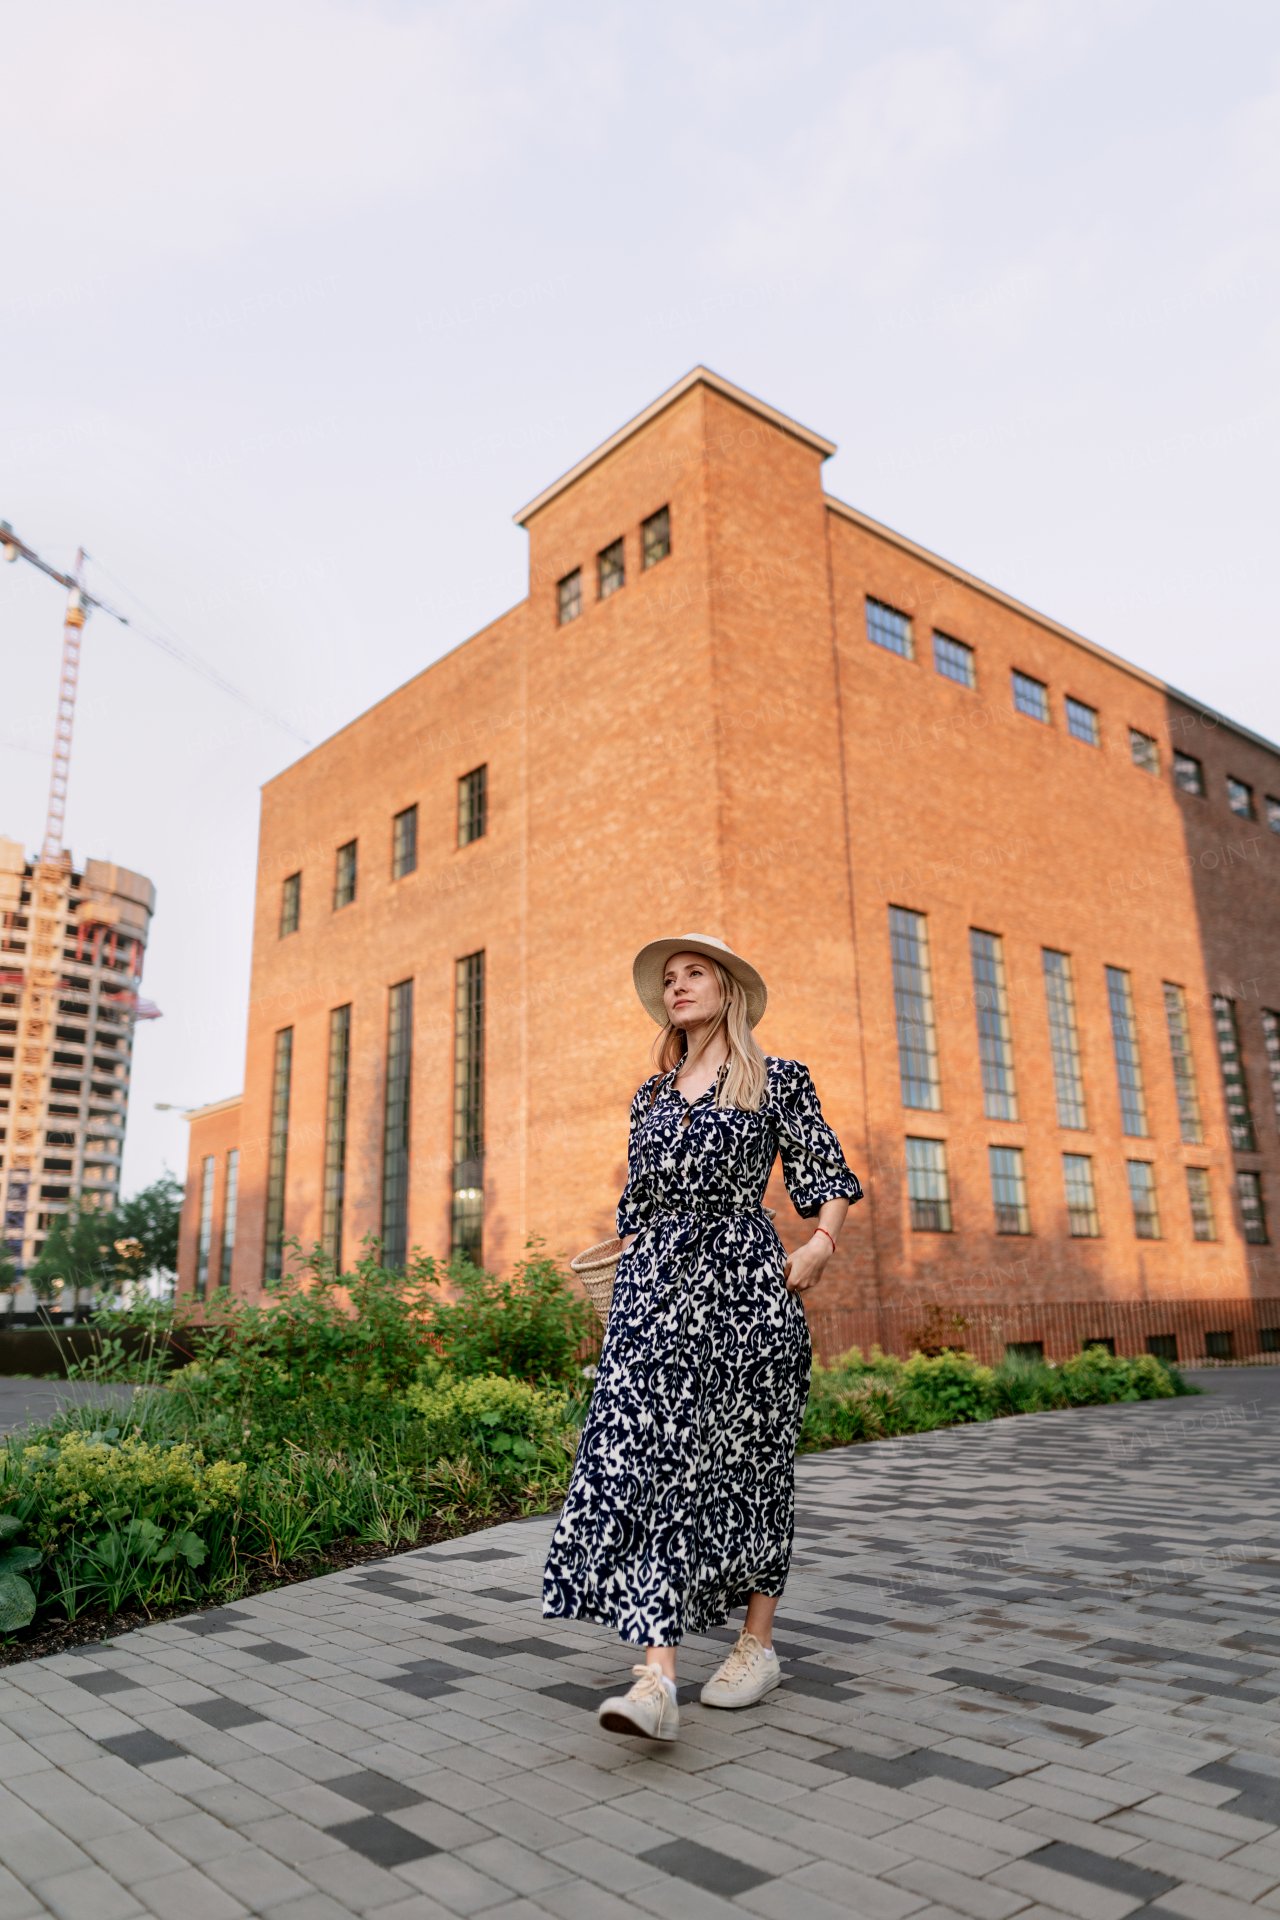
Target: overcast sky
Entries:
(302, 299)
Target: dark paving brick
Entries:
(275, 1651)
(572, 1695)
(455, 1622)
(1022, 1690)
(420, 1685)
(141, 1749)
(483, 1649)
(224, 1714)
(1258, 1794)
(864, 1619)
(434, 1669)
(1096, 1675)
(714, 1872)
(1139, 1650)
(217, 1620)
(100, 1683)
(910, 1768)
(1139, 1883)
(502, 1593)
(1220, 1688)
(481, 1553)
(843, 1635)
(1011, 1596)
(375, 1791)
(1252, 1641)
(382, 1841)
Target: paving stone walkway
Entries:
(1032, 1669)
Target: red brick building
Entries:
(1016, 902)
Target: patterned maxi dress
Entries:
(682, 1498)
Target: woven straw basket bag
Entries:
(597, 1266)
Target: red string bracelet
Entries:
(829, 1237)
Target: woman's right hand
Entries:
(627, 1238)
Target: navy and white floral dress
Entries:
(682, 1498)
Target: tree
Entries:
(151, 1219)
(9, 1278)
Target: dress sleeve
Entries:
(813, 1163)
(635, 1208)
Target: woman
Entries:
(681, 1504)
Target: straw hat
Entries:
(650, 964)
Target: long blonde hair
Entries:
(747, 1078)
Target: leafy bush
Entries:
(17, 1596)
(950, 1387)
(508, 1429)
(1095, 1377)
(530, 1326)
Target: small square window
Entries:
(1188, 774)
(473, 806)
(404, 843)
(290, 904)
(569, 596)
(953, 658)
(1163, 1346)
(1024, 1349)
(1252, 1212)
(886, 627)
(1240, 798)
(1269, 1339)
(1142, 1192)
(1143, 751)
(1273, 813)
(1009, 1190)
(611, 569)
(1104, 1340)
(1031, 697)
(1219, 1346)
(655, 538)
(1200, 1194)
(1082, 722)
(928, 1190)
(344, 876)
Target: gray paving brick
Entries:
(980, 1899)
(87, 1893)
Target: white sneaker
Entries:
(648, 1709)
(745, 1677)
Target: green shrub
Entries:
(950, 1387)
(530, 1326)
(1096, 1377)
(507, 1429)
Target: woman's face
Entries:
(690, 990)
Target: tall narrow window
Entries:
(1082, 722)
(1143, 751)
(404, 843)
(290, 904)
(473, 806)
(886, 627)
(1124, 1037)
(913, 1005)
(1082, 1202)
(1009, 1190)
(229, 1200)
(1273, 813)
(611, 569)
(1064, 1038)
(1239, 1117)
(1252, 1213)
(569, 596)
(1200, 1196)
(395, 1129)
(1031, 697)
(468, 1106)
(335, 1134)
(928, 1190)
(1184, 1066)
(344, 876)
(655, 537)
(1271, 1035)
(995, 1036)
(278, 1156)
(1142, 1192)
(955, 659)
(205, 1240)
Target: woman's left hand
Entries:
(803, 1268)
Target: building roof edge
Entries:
(913, 547)
(697, 376)
(214, 1106)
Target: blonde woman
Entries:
(681, 1504)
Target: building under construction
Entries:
(71, 954)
